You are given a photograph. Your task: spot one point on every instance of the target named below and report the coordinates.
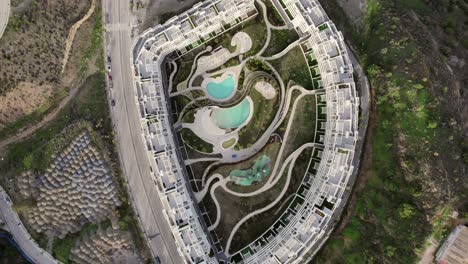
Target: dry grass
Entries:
(31, 52)
(23, 100)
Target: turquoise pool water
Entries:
(221, 90)
(232, 117)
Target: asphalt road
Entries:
(20, 234)
(4, 15)
(142, 189)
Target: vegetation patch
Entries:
(195, 142)
(89, 106)
(293, 67)
(264, 112)
(407, 182)
(229, 143)
(280, 39)
(274, 16)
(29, 70)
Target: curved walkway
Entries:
(4, 15)
(288, 129)
(192, 161)
(290, 161)
(283, 52)
(20, 234)
(268, 25)
(205, 173)
(195, 88)
(72, 33)
(201, 194)
(171, 77)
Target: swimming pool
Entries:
(259, 170)
(223, 89)
(232, 117)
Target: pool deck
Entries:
(206, 129)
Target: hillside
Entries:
(413, 174)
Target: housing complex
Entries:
(310, 215)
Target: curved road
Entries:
(144, 194)
(20, 234)
(4, 15)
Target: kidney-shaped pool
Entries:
(232, 117)
(222, 89)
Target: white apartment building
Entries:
(309, 214)
(180, 35)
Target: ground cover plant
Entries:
(280, 39)
(415, 137)
(293, 67)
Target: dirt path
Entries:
(30, 130)
(53, 114)
(72, 33)
(365, 170)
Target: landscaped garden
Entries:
(245, 151)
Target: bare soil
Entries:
(42, 99)
(31, 52)
(23, 100)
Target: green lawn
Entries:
(303, 126)
(280, 39)
(195, 142)
(263, 113)
(293, 67)
(228, 143)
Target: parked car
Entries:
(113, 102)
(157, 260)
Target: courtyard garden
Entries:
(239, 157)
